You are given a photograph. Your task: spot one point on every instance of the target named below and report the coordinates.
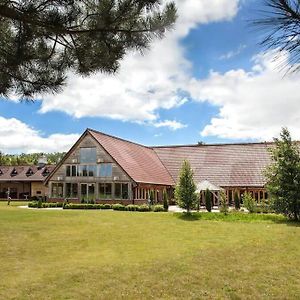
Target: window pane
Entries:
(84, 171)
(57, 190)
(118, 193)
(105, 170)
(108, 190)
(68, 171)
(73, 170)
(92, 170)
(124, 191)
(88, 155)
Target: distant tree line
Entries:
(29, 159)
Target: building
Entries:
(23, 182)
(107, 169)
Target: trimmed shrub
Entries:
(144, 208)
(106, 206)
(165, 200)
(237, 201)
(118, 207)
(151, 197)
(208, 200)
(249, 202)
(158, 208)
(33, 204)
(132, 207)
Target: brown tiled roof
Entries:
(141, 163)
(227, 165)
(24, 173)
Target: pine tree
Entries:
(41, 40)
(208, 200)
(283, 176)
(185, 191)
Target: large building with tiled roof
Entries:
(104, 168)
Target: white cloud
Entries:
(144, 83)
(255, 104)
(18, 137)
(173, 125)
(232, 53)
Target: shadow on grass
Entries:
(236, 217)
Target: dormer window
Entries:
(1, 173)
(14, 172)
(29, 172)
(46, 172)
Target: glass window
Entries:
(105, 190)
(57, 190)
(71, 190)
(88, 155)
(105, 170)
(92, 170)
(121, 190)
(70, 171)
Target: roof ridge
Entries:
(118, 138)
(214, 144)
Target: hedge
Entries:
(118, 207)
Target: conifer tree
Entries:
(165, 200)
(41, 40)
(237, 201)
(208, 200)
(283, 176)
(185, 191)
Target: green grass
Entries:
(129, 255)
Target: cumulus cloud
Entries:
(173, 125)
(255, 104)
(145, 82)
(18, 137)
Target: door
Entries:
(87, 192)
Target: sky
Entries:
(208, 80)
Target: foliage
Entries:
(165, 200)
(132, 207)
(208, 200)
(144, 208)
(158, 208)
(118, 207)
(281, 21)
(185, 191)
(223, 203)
(283, 176)
(151, 197)
(249, 202)
(237, 201)
(41, 40)
(29, 159)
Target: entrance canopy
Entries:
(205, 184)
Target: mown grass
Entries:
(129, 255)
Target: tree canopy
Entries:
(41, 40)
(29, 159)
(281, 21)
(283, 176)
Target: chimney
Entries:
(42, 161)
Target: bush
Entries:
(249, 202)
(132, 207)
(223, 203)
(144, 208)
(208, 200)
(158, 208)
(165, 200)
(33, 204)
(106, 206)
(118, 207)
(237, 202)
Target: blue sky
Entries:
(204, 82)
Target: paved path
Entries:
(175, 208)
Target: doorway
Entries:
(87, 192)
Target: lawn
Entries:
(112, 255)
